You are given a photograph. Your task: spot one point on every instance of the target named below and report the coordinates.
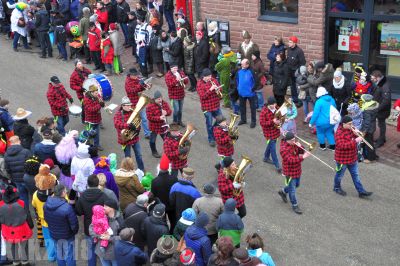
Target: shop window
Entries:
(279, 10)
(345, 43)
(354, 6)
(387, 7)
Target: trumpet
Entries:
(311, 146)
(358, 133)
(241, 171)
(182, 82)
(217, 89)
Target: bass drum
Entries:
(102, 83)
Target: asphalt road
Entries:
(333, 230)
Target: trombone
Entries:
(311, 146)
(146, 83)
(361, 135)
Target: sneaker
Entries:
(156, 154)
(279, 170)
(365, 194)
(268, 161)
(340, 191)
(283, 195)
(242, 122)
(332, 147)
(252, 124)
(212, 143)
(297, 210)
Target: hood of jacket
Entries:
(193, 232)
(230, 205)
(14, 150)
(370, 106)
(92, 195)
(156, 220)
(122, 176)
(47, 148)
(326, 98)
(53, 203)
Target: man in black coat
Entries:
(42, 24)
(161, 186)
(176, 50)
(201, 53)
(295, 59)
(123, 10)
(155, 227)
(382, 95)
(168, 6)
(134, 216)
(111, 7)
(90, 197)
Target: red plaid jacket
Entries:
(57, 97)
(224, 141)
(291, 159)
(132, 89)
(153, 112)
(76, 81)
(171, 149)
(209, 99)
(175, 90)
(225, 187)
(120, 119)
(267, 124)
(92, 110)
(346, 146)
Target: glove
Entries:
(102, 104)
(236, 185)
(71, 100)
(235, 137)
(132, 127)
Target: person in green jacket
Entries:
(224, 67)
(229, 223)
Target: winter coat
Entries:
(24, 131)
(84, 26)
(229, 223)
(61, 218)
(14, 160)
(161, 187)
(159, 259)
(215, 48)
(370, 111)
(280, 78)
(180, 228)
(42, 22)
(182, 195)
(155, 52)
(321, 114)
(355, 113)
(131, 33)
(152, 229)
(80, 8)
(163, 45)
(44, 150)
(175, 51)
(229, 262)
(134, 217)
(211, 205)
(107, 52)
(224, 68)
(110, 181)
(6, 120)
(111, 8)
(123, 9)
(94, 40)
(341, 95)
(196, 238)
(81, 168)
(259, 71)
(116, 41)
(262, 255)
(85, 203)
(246, 82)
(128, 254)
(273, 51)
(15, 16)
(295, 58)
(323, 78)
(188, 57)
(129, 187)
(64, 8)
(74, 9)
(201, 55)
(382, 95)
(248, 51)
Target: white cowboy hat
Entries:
(21, 114)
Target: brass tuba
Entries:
(134, 118)
(186, 140)
(244, 166)
(280, 114)
(233, 129)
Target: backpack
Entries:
(334, 115)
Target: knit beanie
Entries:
(164, 163)
(337, 73)
(201, 220)
(227, 161)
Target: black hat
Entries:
(111, 203)
(55, 79)
(289, 135)
(206, 72)
(220, 118)
(133, 71)
(10, 194)
(209, 188)
(92, 24)
(346, 119)
(227, 161)
(271, 100)
(159, 210)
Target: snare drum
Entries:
(75, 110)
(102, 83)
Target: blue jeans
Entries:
(65, 252)
(307, 103)
(169, 17)
(49, 243)
(325, 132)
(62, 50)
(145, 123)
(178, 107)
(235, 107)
(61, 122)
(143, 59)
(271, 150)
(138, 154)
(353, 169)
(108, 262)
(209, 122)
(124, 28)
(23, 193)
(293, 88)
(91, 255)
(260, 99)
(290, 189)
(16, 38)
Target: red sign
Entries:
(355, 44)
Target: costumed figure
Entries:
(65, 151)
(362, 86)
(102, 165)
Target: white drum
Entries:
(75, 110)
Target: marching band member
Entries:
(292, 154)
(78, 76)
(226, 185)
(346, 157)
(173, 151)
(225, 147)
(93, 104)
(209, 99)
(120, 122)
(133, 87)
(270, 128)
(57, 97)
(157, 113)
(176, 92)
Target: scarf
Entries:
(246, 47)
(338, 85)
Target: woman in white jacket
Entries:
(81, 167)
(18, 25)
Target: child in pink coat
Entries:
(100, 225)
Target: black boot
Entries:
(322, 146)
(332, 147)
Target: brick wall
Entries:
(243, 15)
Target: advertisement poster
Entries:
(390, 39)
(349, 38)
(344, 42)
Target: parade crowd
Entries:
(51, 177)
